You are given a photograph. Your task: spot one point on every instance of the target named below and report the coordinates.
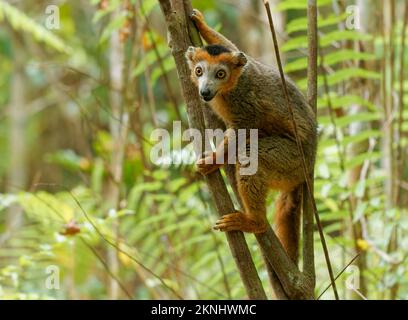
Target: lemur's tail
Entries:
(287, 220)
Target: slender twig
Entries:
(400, 162)
(106, 267)
(393, 161)
(384, 65)
(339, 274)
(312, 67)
(300, 148)
(390, 131)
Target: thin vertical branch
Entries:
(312, 71)
(390, 118)
(400, 163)
(312, 37)
(387, 145)
(394, 156)
(300, 148)
(384, 66)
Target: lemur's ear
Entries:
(240, 59)
(190, 53)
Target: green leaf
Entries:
(348, 119)
(298, 4)
(361, 158)
(113, 26)
(20, 21)
(361, 136)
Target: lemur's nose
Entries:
(205, 93)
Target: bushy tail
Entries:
(287, 221)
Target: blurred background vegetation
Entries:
(78, 190)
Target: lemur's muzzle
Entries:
(206, 94)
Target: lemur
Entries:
(247, 94)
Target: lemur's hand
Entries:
(197, 16)
(207, 164)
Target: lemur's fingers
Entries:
(239, 221)
(205, 161)
(208, 153)
(206, 168)
(197, 16)
(229, 222)
(207, 164)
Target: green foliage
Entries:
(20, 21)
(355, 120)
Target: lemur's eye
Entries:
(198, 71)
(221, 74)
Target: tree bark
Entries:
(308, 222)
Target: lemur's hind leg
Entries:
(277, 170)
(210, 35)
(252, 190)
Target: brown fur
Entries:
(221, 107)
(233, 79)
(287, 221)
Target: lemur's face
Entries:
(214, 69)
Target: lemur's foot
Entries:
(197, 16)
(207, 164)
(239, 221)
